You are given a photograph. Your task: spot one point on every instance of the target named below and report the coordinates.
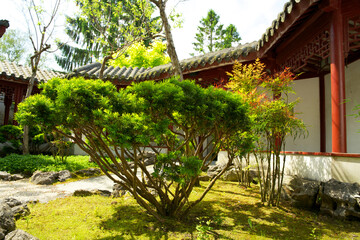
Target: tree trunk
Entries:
(170, 43)
(103, 64)
(26, 140)
(26, 149)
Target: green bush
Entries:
(27, 164)
(11, 135)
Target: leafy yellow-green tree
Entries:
(138, 55)
(273, 119)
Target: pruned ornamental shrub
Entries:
(184, 124)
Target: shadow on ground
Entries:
(243, 217)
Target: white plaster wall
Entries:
(346, 169)
(352, 95)
(319, 168)
(308, 109)
(328, 112)
(309, 167)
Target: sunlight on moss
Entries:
(234, 213)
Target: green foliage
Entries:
(357, 112)
(138, 55)
(10, 136)
(191, 122)
(28, 164)
(103, 27)
(10, 133)
(212, 36)
(13, 46)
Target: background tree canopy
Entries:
(13, 46)
(212, 35)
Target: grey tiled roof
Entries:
(209, 59)
(138, 74)
(19, 72)
(282, 18)
(122, 74)
(4, 23)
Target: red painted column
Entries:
(337, 69)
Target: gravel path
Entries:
(25, 191)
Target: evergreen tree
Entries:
(102, 28)
(212, 36)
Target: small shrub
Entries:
(10, 136)
(28, 164)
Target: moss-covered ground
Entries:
(228, 212)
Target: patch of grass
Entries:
(227, 212)
(27, 164)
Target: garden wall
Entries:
(314, 166)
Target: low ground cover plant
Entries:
(28, 164)
(229, 211)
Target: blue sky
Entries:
(251, 17)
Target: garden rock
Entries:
(44, 178)
(118, 191)
(231, 175)
(149, 158)
(19, 234)
(7, 222)
(12, 202)
(204, 178)
(82, 193)
(104, 193)
(16, 177)
(302, 193)
(340, 199)
(86, 193)
(5, 176)
(88, 172)
(18, 208)
(20, 211)
(214, 170)
(64, 175)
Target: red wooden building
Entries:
(321, 40)
(14, 80)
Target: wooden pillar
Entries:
(7, 103)
(18, 95)
(322, 113)
(337, 69)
